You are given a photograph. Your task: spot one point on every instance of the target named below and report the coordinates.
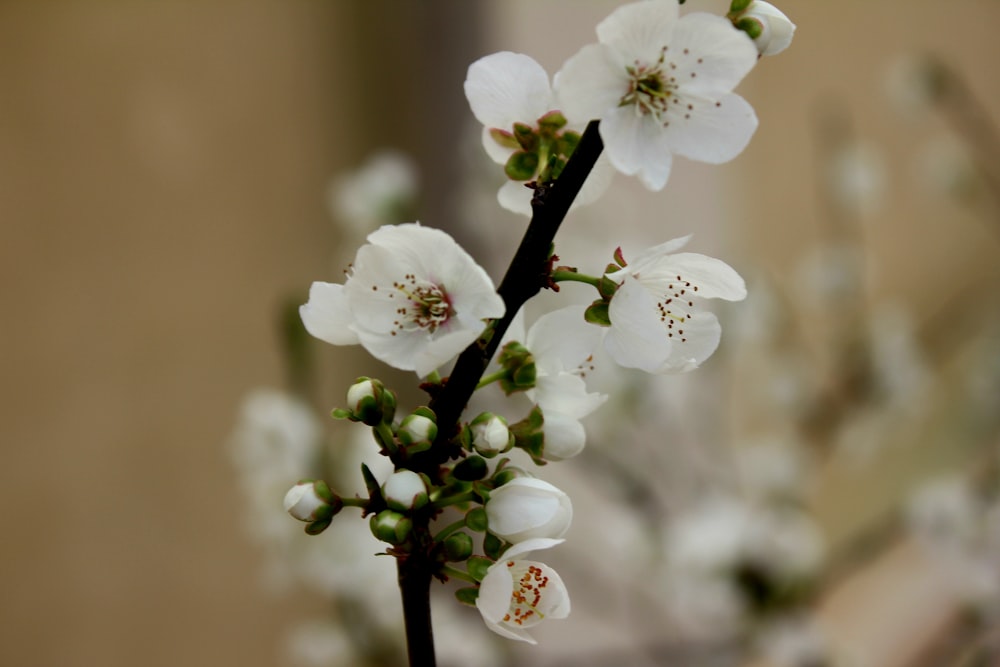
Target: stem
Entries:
(574, 276)
(528, 273)
(491, 378)
(449, 529)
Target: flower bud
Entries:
(368, 402)
(418, 430)
(311, 500)
(391, 527)
(470, 469)
(565, 437)
(527, 508)
(519, 363)
(769, 28)
(490, 435)
(405, 491)
(458, 547)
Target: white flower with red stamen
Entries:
(517, 594)
(413, 298)
(657, 324)
(662, 84)
(509, 93)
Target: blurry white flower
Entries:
(526, 508)
(661, 85)
(381, 192)
(771, 30)
(772, 469)
(947, 167)
(793, 642)
(510, 95)
(656, 324)
(320, 643)
(857, 178)
(517, 594)
(943, 512)
(914, 83)
(414, 299)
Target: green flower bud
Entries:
(476, 520)
(418, 430)
(519, 363)
(391, 527)
(368, 402)
(458, 547)
(490, 435)
(311, 500)
(471, 469)
(405, 491)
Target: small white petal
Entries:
(504, 88)
(701, 333)
(715, 131)
(515, 196)
(565, 436)
(717, 53)
(327, 316)
(562, 340)
(714, 278)
(636, 144)
(637, 338)
(591, 82)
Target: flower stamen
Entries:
(427, 307)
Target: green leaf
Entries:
(467, 595)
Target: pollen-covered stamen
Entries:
(426, 305)
(675, 307)
(530, 582)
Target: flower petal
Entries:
(637, 144)
(561, 340)
(715, 130)
(504, 88)
(701, 338)
(637, 338)
(515, 196)
(713, 278)
(327, 315)
(640, 29)
(590, 83)
(717, 53)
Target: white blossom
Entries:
(526, 508)
(504, 89)
(413, 298)
(775, 29)
(657, 324)
(662, 84)
(303, 502)
(518, 594)
(378, 193)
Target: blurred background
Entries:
(165, 194)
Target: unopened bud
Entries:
(368, 402)
(490, 435)
(769, 28)
(405, 491)
(311, 500)
(418, 430)
(519, 363)
(458, 547)
(391, 527)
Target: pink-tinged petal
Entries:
(504, 88)
(712, 130)
(590, 83)
(515, 196)
(637, 338)
(327, 315)
(715, 52)
(699, 340)
(713, 278)
(636, 144)
(640, 29)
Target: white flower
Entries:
(505, 89)
(662, 85)
(774, 29)
(378, 193)
(490, 435)
(527, 508)
(414, 299)
(656, 323)
(517, 594)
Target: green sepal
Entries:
(607, 287)
(374, 488)
(519, 363)
(521, 166)
(340, 413)
(526, 137)
(477, 567)
(750, 26)
(553, 169)
(504, 138)
(501, 477)
(567, 143)
(619, 259)
(458, 547)
(318, 526)
(492, 546)
(391, 526)
(737, 6)
(553, 119)
(529, 436)
(475, 519)
(472, 469)
(597, 313)
(467, 595)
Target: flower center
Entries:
(674, 307)
(427, 306)
(529, 587)
(649, 88)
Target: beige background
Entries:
(162, 176)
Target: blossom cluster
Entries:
(655, 84)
